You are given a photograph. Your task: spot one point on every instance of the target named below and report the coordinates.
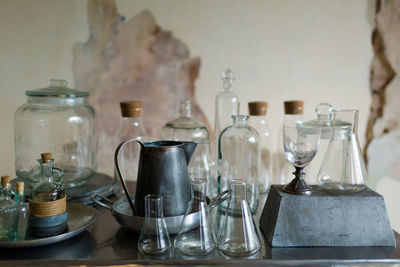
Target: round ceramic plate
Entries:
(80, 217)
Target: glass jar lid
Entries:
(57, 88)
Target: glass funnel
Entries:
(343, 169)
(198, 240)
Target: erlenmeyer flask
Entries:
(238, 236)
(199, 240)
(343, 169)
(154, 238)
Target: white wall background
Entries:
(315, 50)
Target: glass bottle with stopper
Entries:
(343, 169)
(8, 211)
(130, 126)
(258, 120)
(293, 110)
(23, 212)
(47, 206)
(226, 105)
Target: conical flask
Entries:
(199, 240)
(343, 169)
(154, 237)
(238, 236)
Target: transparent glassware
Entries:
(343, 169)
(226, 105)
(324, 120)
(200, 167)
(301, 145)
(23, 212)
(154, 237)
(239, 158)
(293, 112)
(8, 212)
(198, 240)
(49, 188)
(239, 237)
(258, 120)
(185, 128)
(130, 126)
(56, 119)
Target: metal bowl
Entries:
(124, 216)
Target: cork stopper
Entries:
(294, 107)
(20, 187)
(131, 109)
(46, 157)
(258, 108)
(5, 180)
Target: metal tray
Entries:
(80, 217)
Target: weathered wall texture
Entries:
(132, 60)
(382, 149)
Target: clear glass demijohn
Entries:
(343, 169)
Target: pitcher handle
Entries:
(128, 195)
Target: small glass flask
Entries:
(343, 169)
(258, 120)
(293, 113)
(23, 212)
(47, 206)
(130, 126)
(198, 240)
(8, 211)
(154, 237)
(239, 237)
(226, 105)
(239, 158)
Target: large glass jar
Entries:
(60, 120)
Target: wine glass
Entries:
(300, 143)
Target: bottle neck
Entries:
(7, 191)
(135, 121)
(240, 120)
(21, 197)
(47, 171)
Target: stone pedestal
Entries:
(324, 219)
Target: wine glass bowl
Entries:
(300, 143)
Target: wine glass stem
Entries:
(299, 172)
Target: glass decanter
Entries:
(239, 158)
(293, 112)
(258, 120)
(130, 126)
(8, 211)
(343, 169)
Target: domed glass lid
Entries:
(57, 88)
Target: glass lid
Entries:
(57, 88)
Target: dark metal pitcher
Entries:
(162, 170)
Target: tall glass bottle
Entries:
(343, 169)
(293, 113)
(8, 211)
(23, 212)
(239, 158)
(48, 199)
(186, 128)
(258, 120)
(130, 126)
(226, 105)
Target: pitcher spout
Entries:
(189, 148)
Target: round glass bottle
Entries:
(56, 119)
(239, 158)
